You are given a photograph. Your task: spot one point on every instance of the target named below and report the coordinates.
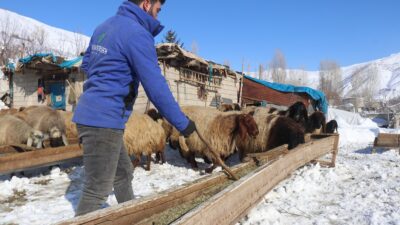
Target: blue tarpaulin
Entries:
(318, 96)
(70, 63)
(11, 67)
(28, 59)
(66, 64)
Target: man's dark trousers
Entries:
(107, 165)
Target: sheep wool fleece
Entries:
(121, 54)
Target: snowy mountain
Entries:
(382, 74)
(29, 35)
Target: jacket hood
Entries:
(133, 11)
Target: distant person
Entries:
(121, 54)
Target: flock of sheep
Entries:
(228, 130)
(32, 126)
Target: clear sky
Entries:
(306, 31)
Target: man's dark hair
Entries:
(137, 2)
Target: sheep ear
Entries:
(65, 139)
(29, 142)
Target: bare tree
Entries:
(62, 46)
(79, 42)
(297, 77)
(227, 63)
(195, 48)
(8, 46)
(261, 71)
(278, 67)
(330, 80)
(365, 82)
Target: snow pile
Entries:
(363, 188)
(51, 198)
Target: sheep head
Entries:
(57, 138)
(35, 139)
(247, 126)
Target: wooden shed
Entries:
(193, 80)
(44, 79)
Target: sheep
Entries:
(8, 111)
(229, 107)
(331, 127)
(70, 127)
(275, 130)
(143, 136)
(297, 112)
(316, 123)
(48, 121)
(154, 114)
(16, 131)
(220, 130)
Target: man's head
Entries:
(152, 7)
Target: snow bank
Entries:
(363, 188)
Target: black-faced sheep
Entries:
(275, 130)
(220, 130)
(48, 121)
(297, 112)
(16, 131)
(331, 127)
(316, 123)
(143, 136)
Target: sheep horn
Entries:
(65, 139)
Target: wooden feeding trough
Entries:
(201, 202)
(387, 141)
(16, 158)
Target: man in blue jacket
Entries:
(121, 54)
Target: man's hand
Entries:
(191, 127)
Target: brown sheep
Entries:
(143, 136)
(70, 127)
(221, 131)
(48, 121)
(16, 131)
(274, 130)
(8, 111)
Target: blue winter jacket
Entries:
(121, 54)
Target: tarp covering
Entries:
(30, 58)
(11, 67)
(71, 63)
(318, 96)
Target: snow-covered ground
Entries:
(362, 189)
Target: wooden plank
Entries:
(387, 140)
(241, 196)
(132, 212)
(270, 154)
(48, 156)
